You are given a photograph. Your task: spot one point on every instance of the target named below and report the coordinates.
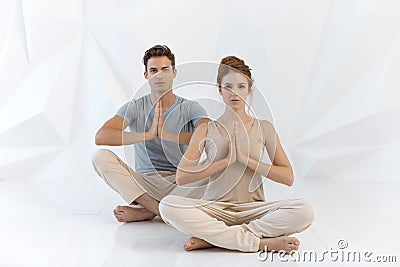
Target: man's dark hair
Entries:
(158, 51)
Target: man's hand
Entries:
(153, 132)
(160, 120)
(158, 130)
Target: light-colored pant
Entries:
(131, 185)
(236, 226)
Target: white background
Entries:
(329, 71)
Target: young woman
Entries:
(233, 212)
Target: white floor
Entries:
(43, 223)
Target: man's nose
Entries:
(159, 74)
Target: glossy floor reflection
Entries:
(67, 224)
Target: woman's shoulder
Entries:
(211, 123)
(266, 123)
(203, 127)
(266, 126)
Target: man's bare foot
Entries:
(196, 243)
(129, 214)
(286, 243)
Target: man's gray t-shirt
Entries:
(159, 154)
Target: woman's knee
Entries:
(307, 211)
(167, 207)
(172, 208)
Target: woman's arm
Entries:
(281, 170)
(188, 169)
(176, 137)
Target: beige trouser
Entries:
(131, 185)
(236, 226)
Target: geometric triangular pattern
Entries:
(64, 20)
(14, 60)
(328, 70)
(327, 162)
(24, 163)
(33, 132)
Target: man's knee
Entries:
(101, 156)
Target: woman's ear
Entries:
(220, 89)
(250, 91)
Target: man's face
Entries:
(160, 74)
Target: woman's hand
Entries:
(232, 153)
(242, 144)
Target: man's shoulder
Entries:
(141, 99)
(138, 102)
(186, 103)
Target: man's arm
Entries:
(112, 133)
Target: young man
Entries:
(161, 125)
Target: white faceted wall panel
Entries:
(328, 69)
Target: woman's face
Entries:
(234, 89)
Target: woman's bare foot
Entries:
(285, 243)
(196, 243)
(129, 214)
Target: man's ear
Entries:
(146, 75)
(175, 72)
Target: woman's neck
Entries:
(231, 115)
